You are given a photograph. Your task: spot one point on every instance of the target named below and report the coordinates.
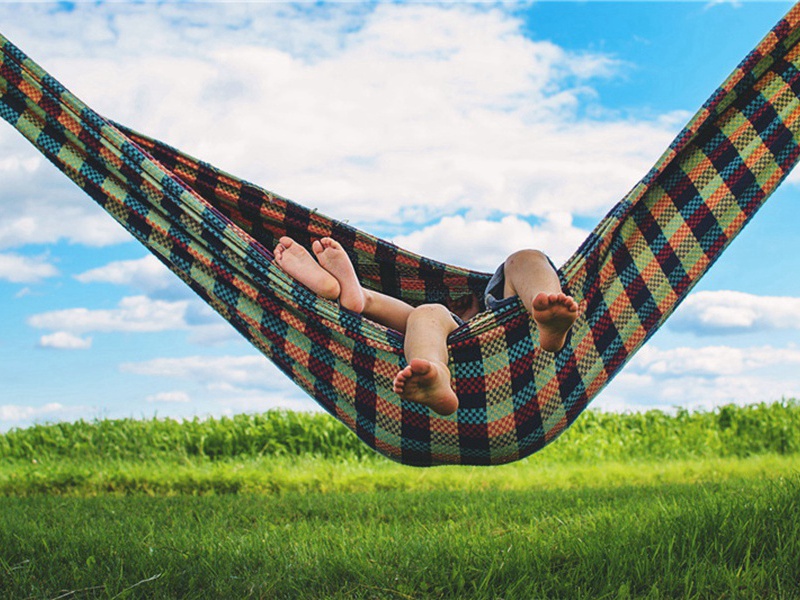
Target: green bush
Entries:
(273, 433)
(729, 431)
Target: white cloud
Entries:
(147, 274)
(234, 400)
(713, 3)
(38, 205)
(704, 377)
(10, 412)
(237, 383)
(254, 370)
(727, 312)
(376, 114)
(488, 242)
(176, 397)
(61, 340)
(14, 415)
(25, 269)
(133, 314)
(711, 361)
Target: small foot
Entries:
(297, 262)
(335, 261)
(555, 314)
(428, 383)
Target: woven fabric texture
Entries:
(216, 232)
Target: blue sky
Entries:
(461, 131)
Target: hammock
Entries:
(216, 232)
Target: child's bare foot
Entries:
(555, 314)
(335, 261)
(428, 383)
(297, 262)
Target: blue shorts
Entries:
(494, 295)
(495, 289)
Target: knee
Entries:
(431, 313)
(526, 259)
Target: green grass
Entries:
(267, 475)
(738, 538)
(701, 505)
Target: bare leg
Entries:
(297, 262)
(426, 379)
(383, 309)
(530, 276)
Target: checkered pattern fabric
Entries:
(216, 232)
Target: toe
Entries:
(540, 301)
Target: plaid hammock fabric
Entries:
(216, 232)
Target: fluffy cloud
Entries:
(487, 243)
(234, 400)
(148, 275)
(25, 269)
(237, 383)
(703, 378)
(254, 370)
(176, 397)
(728, 312)
(14, 415)
(375, 114)
(38, 205)
(712, 361)
(133, 314)
(61, 340)
(163, 290)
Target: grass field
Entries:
(684, 519)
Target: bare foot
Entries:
(555, 314)
(297, 262)
(428, 383)
(335, 261)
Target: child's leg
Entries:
(426, 379)
(377, 307)
(529, 275)
(387, 310)
(335, 279)
(297, 262)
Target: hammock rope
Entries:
(216, 232)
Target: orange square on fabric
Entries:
(502, 426)
(446, 426)
(390, 409)
(344, 384)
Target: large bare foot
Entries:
(297, 262)
(428, 383)
(555, 314)
(335, 261)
